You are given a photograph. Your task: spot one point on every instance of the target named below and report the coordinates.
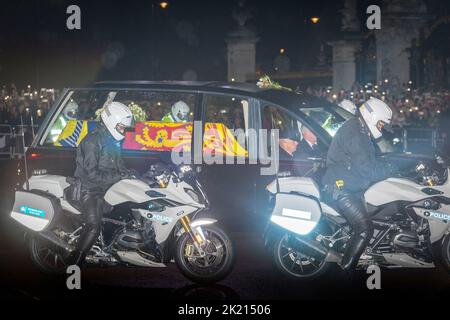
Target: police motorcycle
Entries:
(411, 219)
(148, 222)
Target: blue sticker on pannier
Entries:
(32, 211)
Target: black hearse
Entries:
(229, 115)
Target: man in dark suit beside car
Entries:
(307, 147)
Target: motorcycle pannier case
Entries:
(35, 209)
(296, 213)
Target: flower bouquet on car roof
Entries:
(267, 83)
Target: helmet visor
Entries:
(183, 116)
(72, 113)
(121, 127)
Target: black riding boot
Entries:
(355, 249)
(352, 208)
(92, 209)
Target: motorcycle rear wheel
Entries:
(295, 264)
(217, 263)
(45, 258)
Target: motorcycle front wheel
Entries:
(217, 262)
(295, 264)
(45, 258)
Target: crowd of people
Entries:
(29, 105)
(411, 107)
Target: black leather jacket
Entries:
(352, 158)
(99, 162)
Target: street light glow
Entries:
(282, 50)
(163, 4)
(315, 19)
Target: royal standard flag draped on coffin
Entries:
(160, 136)
(74, 132)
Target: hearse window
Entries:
(157, 105)
(226, 125)
(328, 119)
(157, 127)
(275, 118)
(78, 105)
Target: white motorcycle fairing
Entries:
(398, 189)
(127, 190)
(394, 189)
(164, 221)
(136, 191)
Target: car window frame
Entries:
(296, 116)
(253, 106)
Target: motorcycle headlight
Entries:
(194, 196)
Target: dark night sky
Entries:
(137, 40)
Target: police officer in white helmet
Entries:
(352, 167)
(98, 166)
(348, 106)
(178, 113)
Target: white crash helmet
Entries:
(373, 112)
(117, 117)
(180, 111)
(71, 111)
(348, 106)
